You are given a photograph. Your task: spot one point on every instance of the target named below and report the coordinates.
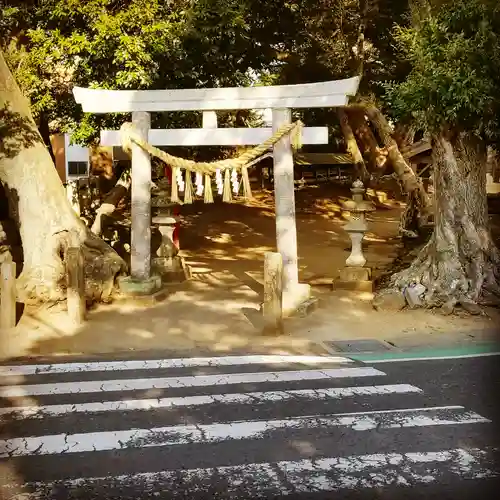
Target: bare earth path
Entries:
(225, 244)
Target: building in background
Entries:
(76, 162)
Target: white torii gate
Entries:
(281, 99)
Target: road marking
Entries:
(469, 351)
(215, 433)
(106, 366)
(13, 391)
(287, 477)
(40, 412)
(428, 358)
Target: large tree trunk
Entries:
(38, 204)
(111, 201)
(460, 263)
(404, 172)
(419, 210)
(376, 156)
(352, 147)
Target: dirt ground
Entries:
(218, 309)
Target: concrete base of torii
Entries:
(294, 297)
(139, 287)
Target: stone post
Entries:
(140, 258)
(272, 308)
(75, 276)
(8, 294)
(286, 230)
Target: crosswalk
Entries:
(233, 427)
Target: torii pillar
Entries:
(140, 238)
(294, 293)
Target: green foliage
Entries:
(454, 82)
(53, 45)
(317, 41)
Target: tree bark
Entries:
(44, 129)
(38, 204)
(460, 263)
(376, 156)
(404, 135)
(352, 147)
(110, 201)
(419, 208)
(360, 42)
(404, 172)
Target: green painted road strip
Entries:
(470, 351)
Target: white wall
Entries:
(73, 152)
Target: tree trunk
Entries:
(38, 204)
(352, 147)
(460, 263)
(404, 135)
(360, 43)
(110, 201)
(404, 172)
(377, 157)
(43, 127)
(419, 209)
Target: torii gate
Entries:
(281, 99)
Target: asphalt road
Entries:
(250, 427)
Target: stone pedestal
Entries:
(170, 269)
(355, 278)
(357, 231)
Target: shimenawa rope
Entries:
(128, 135)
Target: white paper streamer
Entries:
(219, 181)
(180, 180)
(199, 184)
(234, 181)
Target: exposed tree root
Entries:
(451, 277)
(46, 282)
(460, 263)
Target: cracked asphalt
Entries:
(167, 430)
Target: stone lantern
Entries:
(355, 275)
(167, 263)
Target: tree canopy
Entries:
(52, 45)
(454, 82)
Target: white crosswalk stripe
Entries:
(248, 426)
(189, 401)
(190, 381)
